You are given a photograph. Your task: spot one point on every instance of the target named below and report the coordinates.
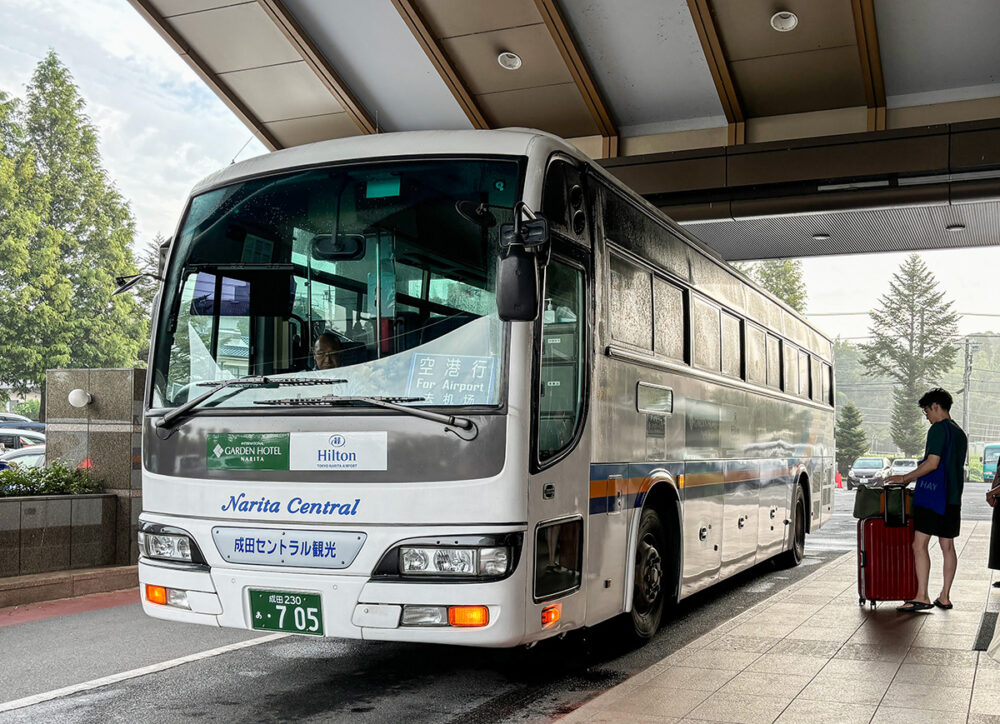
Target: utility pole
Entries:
(970, 349)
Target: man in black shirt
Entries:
(937, 506)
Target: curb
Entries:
(38, 587)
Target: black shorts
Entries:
(943, 526)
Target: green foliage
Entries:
(29, 408)
(975, 469)
(913, 333)
(54, 479)
(65, 233)
(781, 277)
(852, 442)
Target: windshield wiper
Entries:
(388, 403)
(243, 383)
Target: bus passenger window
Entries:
(560, 393)
(803, 373)
(756, 359)
(790, 358)
(707, 336)
(827, 384)
(773, 361)
(631, 303)
(732, 351)
(668, 329)
(817, 386)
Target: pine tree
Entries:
(781, 277)
(913, 334)
(65, 234)
(852, 442)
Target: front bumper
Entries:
(354, 605)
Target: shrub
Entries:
(975, 469)
(29, 408)
(54, 479)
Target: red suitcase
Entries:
(885, 558)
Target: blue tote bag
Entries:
(931, 490)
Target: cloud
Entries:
(161, 129)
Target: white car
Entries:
(903, 465)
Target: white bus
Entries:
(384, 405)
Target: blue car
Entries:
(28, 425)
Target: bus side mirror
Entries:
(517, 287)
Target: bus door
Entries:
(560, 489)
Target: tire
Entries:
(797, 552)
(649, 589)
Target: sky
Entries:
(162, 130)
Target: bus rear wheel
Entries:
(793, 556)
(650, 584)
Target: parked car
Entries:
(12, 438)
(13, 417)
(32, 456)
(23, 425)
(903, 466)
(868, 471)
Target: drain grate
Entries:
(986, 626)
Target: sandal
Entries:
(945, 606)
(911, 606)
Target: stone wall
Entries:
(104, 436)
(43, 533)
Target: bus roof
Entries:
(507, 142)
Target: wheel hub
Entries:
(650, 573)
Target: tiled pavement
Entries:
(810, 654)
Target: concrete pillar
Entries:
(104, 435)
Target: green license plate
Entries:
(299, 613)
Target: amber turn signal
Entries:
(156, 594)
(551, 614)
(468, 615)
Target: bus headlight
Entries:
(467, 557)
(171, 547)
(166, 543)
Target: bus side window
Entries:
(773, 361)
(790, 358)
(560, 394)
(631, 303)
(756, 354)
(669, 318)
(803, 373)
(732, 351)
(707, 336)
(827, 384)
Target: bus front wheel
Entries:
(651, 567)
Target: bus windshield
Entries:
(379, 277)
(990, 455)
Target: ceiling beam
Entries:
(717, 64)
(563, 37)
(415, 22)
(295, 35)
(871, 62)
(201, 68)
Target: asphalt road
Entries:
(302, 679)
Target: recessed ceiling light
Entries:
(783, 21)
(821, 236)
(955, 227)
(509, 61)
